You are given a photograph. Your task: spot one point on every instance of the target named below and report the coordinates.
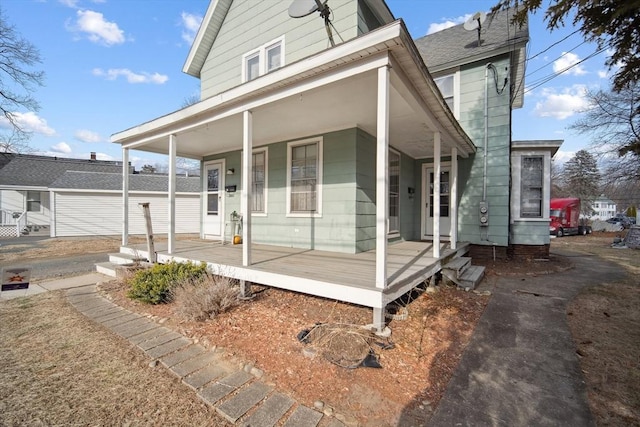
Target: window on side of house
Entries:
(394, 192)
(304, 178)
(33, 201)
(446, 86)
(259, 181)
(531, 186)
(263, 60)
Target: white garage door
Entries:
(100, 214)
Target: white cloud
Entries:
(143, 77)
(447, 23)
(29, 122)
(191, 24)
(563, 104)
(561, 157)
(567, 64)
(69, 3)
(61, 147)
(85, 135)
(603, 74)
(98, 30)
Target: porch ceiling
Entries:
(342, 94)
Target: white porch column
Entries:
(436, 195)
(171, 220)
(245, 207)
(125, 196)
(453, 193)
(382, 177)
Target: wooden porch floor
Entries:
(346, 277)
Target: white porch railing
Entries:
(12, 223)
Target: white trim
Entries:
(444, 166)
(382, 175)
(221, 191)
(265, 197)
(318, 213)
(437, 154)
(456, 90)
(261, 53)
(88, 190)
(171, 196)
(245, 201)
(393, 233)
(26, 201)
(453, 199)
(125, 196)
(516, 182)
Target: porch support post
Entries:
(436, 194)
(453, 193)
(382, 177)
(125, 196)
(171, 220)
(247, 148)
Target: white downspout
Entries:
(486, 131)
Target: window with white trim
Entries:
(304, 177)
(33, 201)
(394, 191)
(263, 60)
(449, 88)
(531, 186)
(259, 181)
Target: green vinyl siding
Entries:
(366, 19)
(250, 24)
(472, 83)
(530, 232)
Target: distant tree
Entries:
(557, 181)
(17, 80)
(148, 169)
(613, 124)
(190, 100)
(582, 179)
(611, 24)
(15, 141)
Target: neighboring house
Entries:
(355, 149)
(90, 204)
(604, 208)
(74, 197)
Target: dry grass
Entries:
(205, 297)
(605, 324)
(56, 368)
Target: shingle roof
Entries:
(113, 181)
(455, 45)
(5, 158)
(40, 171)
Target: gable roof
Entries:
(455, 46)
(5, 158)
(217, 12)
(40, 171)
(77, 180)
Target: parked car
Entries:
(624, 221)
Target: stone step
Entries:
(472, 276)
(106, 268)
(247, 398)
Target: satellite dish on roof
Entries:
(302, 8)
(475, 23)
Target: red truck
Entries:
(565, 218)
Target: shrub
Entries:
(205, 297)
(154, 285)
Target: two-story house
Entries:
(358, 170)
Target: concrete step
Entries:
(125, 258)
(472, 276)
(106, 268)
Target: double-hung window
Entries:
(531, 186)
(394, 191)
(33, 201)
(448, 89)
(304, 178)
(263, 60)
(259, 181)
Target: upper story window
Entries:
(448, 87)
(264, 59)
(304, 178)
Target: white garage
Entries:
(90, 204)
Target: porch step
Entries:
(106, 268)
(472, 276)
(458, 265)
(121, 258)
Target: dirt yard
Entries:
(414, 374)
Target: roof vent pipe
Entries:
(93, 155)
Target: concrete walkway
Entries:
(237, 395)
(520, 367)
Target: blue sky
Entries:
(113, 64)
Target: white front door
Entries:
(212, 226)
(427, 202)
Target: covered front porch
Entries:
(344, 277)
